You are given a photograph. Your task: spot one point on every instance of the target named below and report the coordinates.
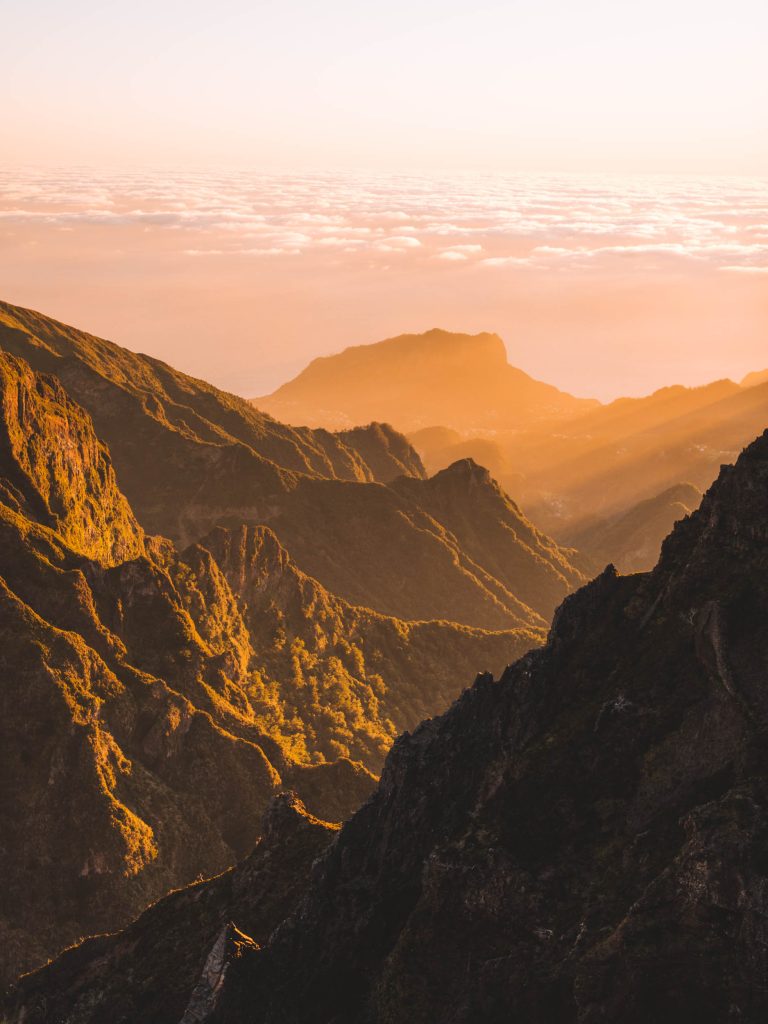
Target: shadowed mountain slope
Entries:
(632, 541)
(420, 380)
(151, 702)
(161, 968)
(582, 842)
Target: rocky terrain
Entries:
(190, 458)
(582, 841)
(153, 701)
(168, 964)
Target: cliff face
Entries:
(582, 841)
(153, 702)
(40, 429)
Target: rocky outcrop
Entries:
(171, 964)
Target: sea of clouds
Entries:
(492, 222)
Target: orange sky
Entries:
(508, 85)
(601, 285)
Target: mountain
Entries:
(757, 377)
(632, 541)
(396, 549)
(159, 968)
(494, 532)
(602, 463)
(583, 841)
(190, 458)
(420, 380)
(188, 454)
(153, 701)
(440, 447)
(387, 453)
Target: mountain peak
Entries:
(418, 380)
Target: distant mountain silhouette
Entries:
(756, 377)
(612, 457)
(420, 380)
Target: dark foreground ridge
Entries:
(583, 842)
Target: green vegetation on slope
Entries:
(152, 703)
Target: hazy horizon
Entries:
(603, 285)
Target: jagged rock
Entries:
(582, 842)
(169, 965)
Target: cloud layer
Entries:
(514, 224)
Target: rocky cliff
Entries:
(581, 842)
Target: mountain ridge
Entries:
(580, 842)
(149, 710)
(412, 379)
(190, 458)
